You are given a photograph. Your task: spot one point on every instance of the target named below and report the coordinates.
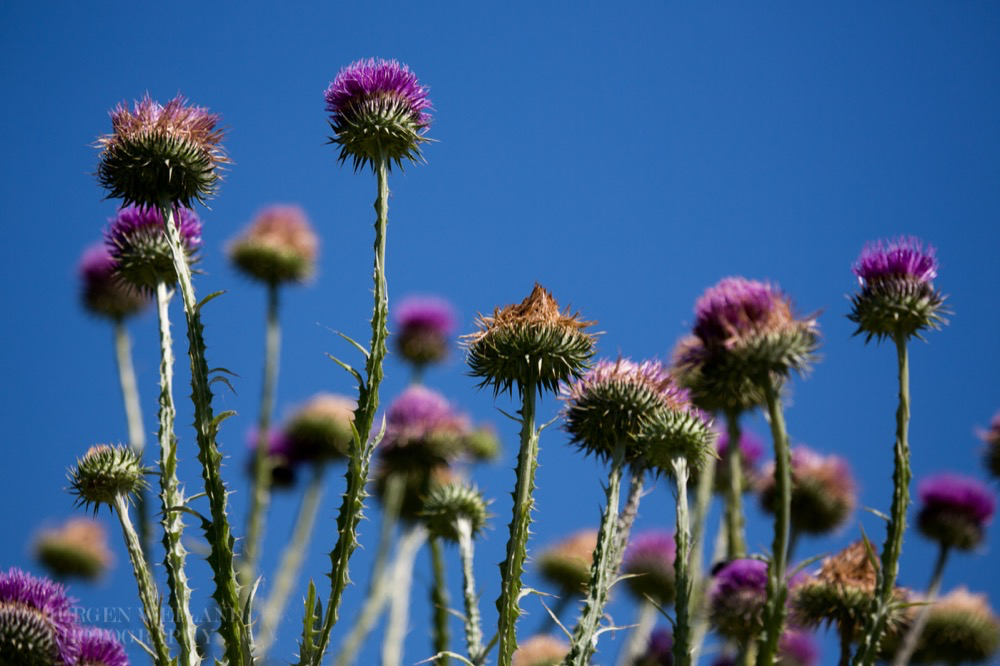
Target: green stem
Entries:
(171, 494)
(136, 431)
(700, 593)
(508, 604)
(877, 618)
(682, 624)
(603, 571)
(363, 446)
(912, 639)
(638, 638)
(148, 594)
(260, 491)
(736, 542)
(439, 600)
(473, 624)
(217, 531)
(399, 606)
(777, 590)
(291, 563)
(846, 635)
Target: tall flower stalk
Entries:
(733, 513)
(897, 301)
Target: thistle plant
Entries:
(99, 647)
(566, 566)
(897, 301)
(960, 628)
(533, 345)
(424, 326)
(78, 549)
(37, 624)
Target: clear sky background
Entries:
(626, 156)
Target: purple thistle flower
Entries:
(369, 79)
(422, 427)
(36, 618)
(279, 246)
(103, 292)
(956, 510)
(99, 647)
(737, 598)
(904, 258)
(659, 650)
(280, 453)
(426, 324)
(797, 648)
(649, 558)
(136, 240)
(823, 491)
(133, 220)
(733, 307)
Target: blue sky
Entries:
(626, 158)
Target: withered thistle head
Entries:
(279, 246)
(161, 154)
(452, 508)
(104, 474)
(531, 344)
(79, 548)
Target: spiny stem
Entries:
(736, 543)
(682, 623)
(439, 600)
(777, 590)
(604, 569)
(878, 615)
(171, 494)
(473, 624)
(912, 639)
(148, 594)
(136, 431)
(260, 491)
(508, 604)
(217, 530)
(399, 606)
(291, 563)
(638, 638)
(699, 582)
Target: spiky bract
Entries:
(961, 629)
(446, 505)
(541, 651)
(138, 243)
(99, 647)
(106, 473)
(533, 343)
(160, 154)
(424, 329)
(897, 296)
(567, 563)
(955, 510)
(36, 621)
(823, 491)
(102, 292)
(78, 548)
(278, 247)
(320, 430)
(378, 109)
(683, 431)
(649, 562)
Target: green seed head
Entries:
(446, 505)
(104, 474)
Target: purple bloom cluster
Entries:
(426, 313)
(733, 307)
(959, 493)
(99, 647)
(651, 546)
(365, 80)
(96, 264)
(650, 559)
(904, 258)
(132, 220)
(650, 375)
(797, 648)
(739, 577)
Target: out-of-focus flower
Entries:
(378, 110)
(567, 563)
(415, 483)
(102, 292)
(649, 561)
(424, 329)
(138, 243)
(992, 439)
(161, 154)
(955, 510)
(422, 427)
(279, 246)
(737, 598)
(961, 629)
(823, 491)
(99, 647)
(106, 473)
(37, 623)
(533, 343)
(79, 548)
(280, 457)
(659, 650)
(797, 648)
(897, 296)
(320, 430)
(541, 651)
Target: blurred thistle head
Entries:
(823, 491)
(280, 457)
(320, 429)
(103, 292)
(483, 444)
(161, 154)
(279, 246)
(378, 110)
(961, 629)
(955, 510)
(541, 651)
(422, 428)
(797, 648)
(751, 451)
(531, 344)
(737, 598)
(991, 438)
(78, 548)
(137, 241)
(104, 474)
(897, 296)
(99, 647)
(453, 509)
(659, 650)
(414, 483)
(649, 562)
(424, 326)
(745, 333)
(37, 622)
(566, 564)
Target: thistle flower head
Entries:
(659, 650)
(745, 332)
(78, 548)
(452, 508)
(99, 647)
(138, 243)
(566, 565)
(280, 457)
(36, 621)
(378, 110)
(320, 430)
(415, 483)
(961, 629)
(897, 296)
(797, 648)
(424, 329)
(541, 651)
(422, 428)
(106, 473)
(531, 344)
(991, 438)
(102, 292)
(955, 510)
(823, 491)
(159, 154)
(751, 451)
(482, 444)
(649, 560)
(279, 246)
(737, 598)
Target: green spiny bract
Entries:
(104, 474)
(961, 628)
(446, 505)
(278, 247)
(897, 308)
(27, 637)
(678, 434)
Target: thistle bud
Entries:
(541, 651)
(138, 243)
(649, 562)
(105, 474)
(424, 329)
(955, 510)
(320, 430)
(446, 505)
(823, 491)
(36, 621)
(103, 292)
(482, 444)
(279, 246)
(567, 563)
(79, 548)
